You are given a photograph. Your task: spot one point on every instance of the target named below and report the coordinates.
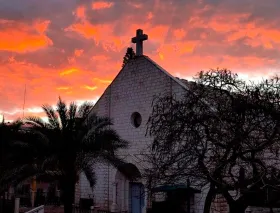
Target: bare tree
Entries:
(223, 134)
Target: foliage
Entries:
(75, 139)
(130, 54)
(221, 128)
(19, 155)
(7, 131)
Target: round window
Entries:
(136, 119)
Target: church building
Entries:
(128, 102)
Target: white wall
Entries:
(133, 90)
(39, 209)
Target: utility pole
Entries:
(23, 101)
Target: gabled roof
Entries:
(188, 85)
(177, 80)
(183, 83)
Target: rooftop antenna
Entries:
(23, 101)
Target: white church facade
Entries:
(128, 102)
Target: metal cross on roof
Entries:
(140, 37)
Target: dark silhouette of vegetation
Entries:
(18, 160)
(130, 54)
(76, 140)
(224, 134)
(71, 142)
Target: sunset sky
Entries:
(75, 48)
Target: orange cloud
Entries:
(150, 15)
(78, 53)
(175, 50)
(81, 12)
(179, 33)
(101, 5)
(100, 58)
(101, 34)
(85, 29)
(22, 37)
(90, 87)
(102, 80)
(135, 5)
(83, 59)
(71, 60)
(155, 33)
(63, 88)
(161, 56)
(42, 86)
(68, 72)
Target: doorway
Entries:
(136, 193)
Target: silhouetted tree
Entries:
(130, 54)
(19, 158)
(8, 133)
(224, 133)
(75, 140)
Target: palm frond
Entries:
(98, 122)
(85, 109)
(52, 117)
(16, 175)
(106, 140)
(90, 175)
(17, 123)
(34, 121)
(110, 140)
(50, 161)
(72, 114)
(113, 160)
(38, 148)
(85, 159)
(33, 137)
(62, 112)
(49, 176)
(19, 144)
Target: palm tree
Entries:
(77, 139)
(9, 133)
(19, 159)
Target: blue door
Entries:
(136, 197)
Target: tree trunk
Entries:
(209, 199)
(68, 190)
(34, 191)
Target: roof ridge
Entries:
(167, 73)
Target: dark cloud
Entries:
(32, 9)
(57, 55)
(239, 48)
(45, 58)
(119, 11)
(60, 14)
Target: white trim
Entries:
(39, 209)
